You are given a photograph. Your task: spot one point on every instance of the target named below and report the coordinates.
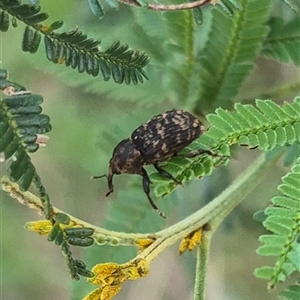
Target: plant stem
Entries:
(215, 211)
(201, 265)
(32, 201)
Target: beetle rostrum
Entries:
(156, 141)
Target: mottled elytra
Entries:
(156, 141)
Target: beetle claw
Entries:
(161, 214)
(181, 184)
(108, 193)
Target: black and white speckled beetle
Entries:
(156, 141)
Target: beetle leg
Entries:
(196, 153)
(146, 187)
(199, 152)
(166, 174)
(110, 184)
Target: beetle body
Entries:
(156, 141)
(166, 134)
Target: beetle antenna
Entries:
(98, 176)
(109, 180)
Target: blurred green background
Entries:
(89, 117)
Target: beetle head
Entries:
(126, 159)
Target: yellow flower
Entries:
(105, 293)
(111, 276)
(108, 274)
(142, 244)
(42, 227)
(190, 241)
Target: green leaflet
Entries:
(4, 21)
(96, 8)
(264, 272)
(62, 218)
(269, 250)
(287, 202)
(284, 212)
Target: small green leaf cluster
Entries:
(31, 40)
(186, 169)
(73, 236)
(29, 14)
(265, 127)
(283, 221)
(80, 236)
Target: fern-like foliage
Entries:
(74, 48)
(283, 221)
(265, 126)
(21, 123)
(283, 41)
(227, 58)
(22, 128)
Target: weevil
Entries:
(152, 143)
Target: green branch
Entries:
(201, 265)
(215, 211)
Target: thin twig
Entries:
(184, 6)
(34, 202)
